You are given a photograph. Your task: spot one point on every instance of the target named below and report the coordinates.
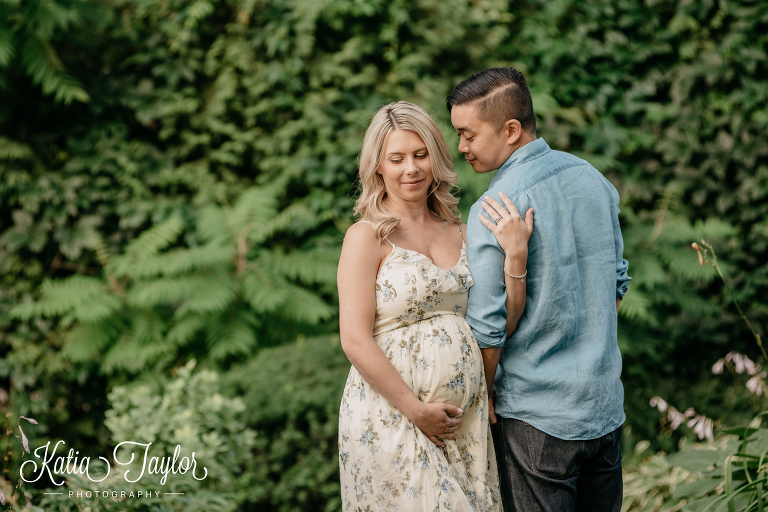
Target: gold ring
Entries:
(497, 219)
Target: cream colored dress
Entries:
(387, 463)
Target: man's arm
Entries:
(622, 279)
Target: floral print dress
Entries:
(386, 462)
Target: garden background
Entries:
(176, 178)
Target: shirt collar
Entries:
(528, 152)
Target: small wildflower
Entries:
(755, 384)
(659, 403)
(702, 426)
(698, 250)
(675, 417)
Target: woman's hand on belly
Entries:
(438, 421)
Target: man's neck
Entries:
(524, 139)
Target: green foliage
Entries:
(188, 410)
(192, 103)
(730, 475)
(292, 395)
(27, 35)
(651, 483)
(160, 299)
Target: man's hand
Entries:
(438, 422)
(492, 407)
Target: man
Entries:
(558, 395)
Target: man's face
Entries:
(484, 147)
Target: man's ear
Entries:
(514, 131)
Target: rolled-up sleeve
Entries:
(486, 312)
(622, 266)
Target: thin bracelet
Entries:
(521, 278)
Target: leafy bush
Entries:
(205, 298)
(292, 395)
(188, 410)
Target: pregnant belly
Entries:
(438, 358)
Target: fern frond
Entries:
(59, 297)
(12, 150)
(217, 296)
(97, 307)
(307, 307)
(86, 342)
(45, 69)
(146, 326)
(147, 294)
(7, 50)
(131, 356)
(318, 266)
(264, 293)
(181, 261)
(184, 330)
(676, 230)
(214, 227)
(647, 271)
(252, 212)
(682, 261)
(713, 229)
(635, 306)
(296, 218)
(237, 337)
(690, 301)
(151, 241)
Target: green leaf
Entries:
(697, 488)
(696, 460)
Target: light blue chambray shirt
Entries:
(560, 370)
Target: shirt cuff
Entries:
(622, 279)
(621, 290)
(485, 341)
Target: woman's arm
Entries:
(356, 278)
(512, 233)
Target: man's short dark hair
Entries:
(501, 94)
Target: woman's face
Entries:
(406, 166)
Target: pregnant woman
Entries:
(413, 424)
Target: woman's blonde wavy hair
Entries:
(441, 200)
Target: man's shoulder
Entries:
(563, 159)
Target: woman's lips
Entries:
(413, 184)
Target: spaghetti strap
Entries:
(385, 238)
(461, 232)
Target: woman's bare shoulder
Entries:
(361, 240)
(361, 232)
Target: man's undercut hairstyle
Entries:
(501, 94)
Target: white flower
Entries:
(659, 402)
(704, 428)
(675, 418)
(755, 384)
